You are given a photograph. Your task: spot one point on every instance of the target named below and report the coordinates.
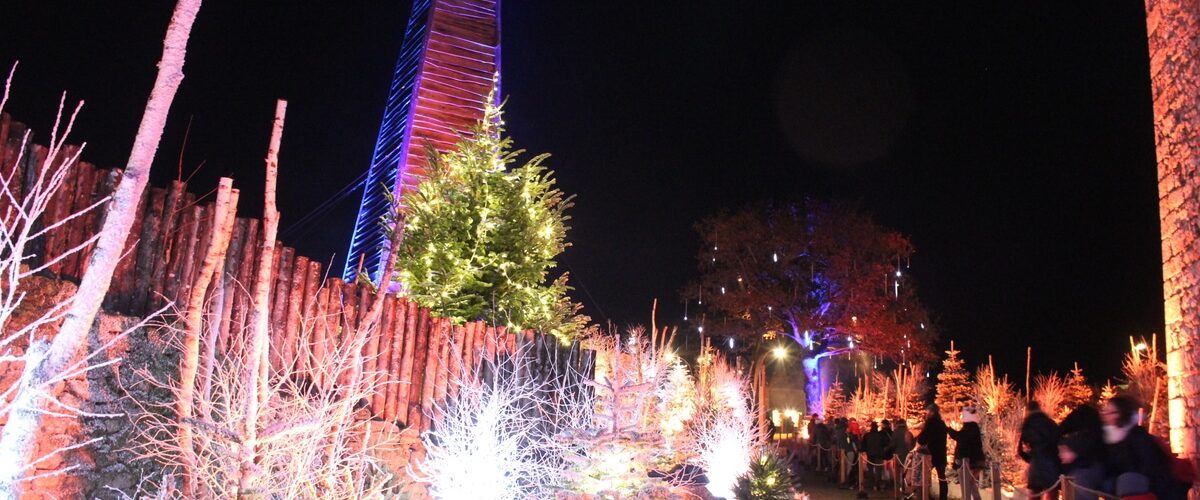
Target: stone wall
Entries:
(1173, 30)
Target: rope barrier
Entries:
(1098, 493)
(1052, 488)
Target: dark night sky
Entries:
(1013, 143)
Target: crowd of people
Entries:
(1101, 449)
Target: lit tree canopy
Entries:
(824, 275)
(480, 238)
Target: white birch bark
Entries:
(18, 437)
(259, 340)
(194, 324)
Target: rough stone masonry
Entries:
(1173, 29)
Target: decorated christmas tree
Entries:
(1079, 392)
(835, 401)
(482, 235)
(953, 386)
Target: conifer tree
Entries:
(953, 386)
(1079, 392)
(480, 238)
(835, 401)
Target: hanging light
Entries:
(722, 290)
(731, 342)
(775, 257)
(700, 328)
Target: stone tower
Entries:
(1173, 28)
(448, 63)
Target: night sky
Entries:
(1013, 142)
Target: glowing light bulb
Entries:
(897, 273)
(685, 317)
(722, 290)
(739, 279)
(1141, 346)
(779, 352)
(775, 257)
(701, 329)
(731, 343)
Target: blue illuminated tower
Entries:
(449, 57)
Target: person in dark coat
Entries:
(1081, 450)
(899, 445)
(1039, 448)
(933, 439)
(824, 440)
(875, 445)
(969, 442)
(1134, 457)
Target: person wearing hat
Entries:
(969, 442)
(933, 439)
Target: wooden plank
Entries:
(412, 314)
(456, 364)
(291, 327)
(441, 380)
(436, 338)
(251, 249)
(305, 337)
(349, 312)
(229, 286)
(199, 234)
(417, 375)
(396, 353)
(320, 330)
(377, 357)
(163, 241)
(283, 286)
(149, 253)
(106, 183)
(73, 230)
(60, 207)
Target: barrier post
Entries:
(819, 453)
(862, 474)
(924, 482)
(997, 481)
(897, 477)
(841, 458)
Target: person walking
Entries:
(1081, 450)
(969, 442)
(933, 439)
(875, 445)
(1136, 462)
(1038, 446)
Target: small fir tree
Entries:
(835, 402)
(1108, 391)
(1079, 392)
(953, 386)
(480, 238)
(768, 479)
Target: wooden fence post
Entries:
(862, 475)
(997, 481)
(924, 482)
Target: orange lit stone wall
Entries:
(1173, 29)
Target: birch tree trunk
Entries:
(256, 356)
(18, 437)
(189, 361)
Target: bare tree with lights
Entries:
(824, 275)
